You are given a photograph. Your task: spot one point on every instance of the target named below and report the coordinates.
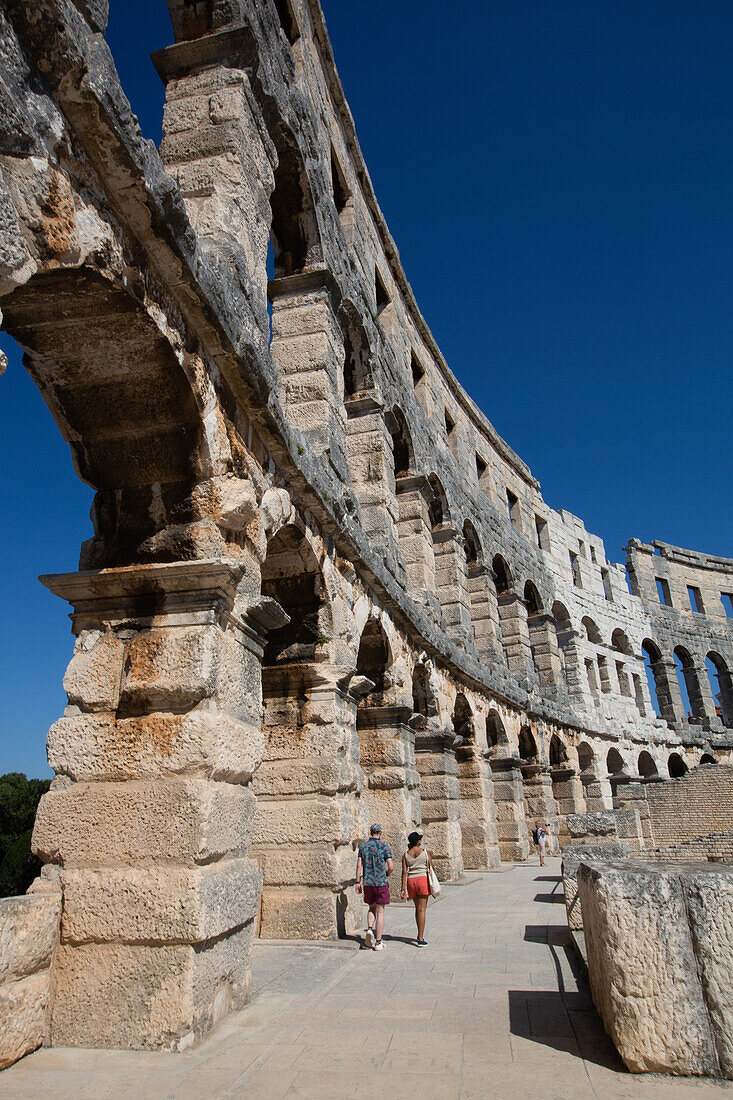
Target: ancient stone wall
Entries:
(320, 588)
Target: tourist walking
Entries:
(416, 863)
(372, 867)
(540, 836)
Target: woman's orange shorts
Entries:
(417, 887)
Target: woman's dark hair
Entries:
(414, 839)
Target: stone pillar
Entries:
(150, 815)
(440, 800)
(539, 802)
(597, 793)
(415, 537)
(452, 583)
(514, 633)
(308, 811)
(480, 841)
(392, 782)
(545, 654)
(308, 350)
(506, 776)
(369, 452)
(567, 791)
(574, 669)
(484, 612)
(669, 695)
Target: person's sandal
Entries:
(378, 945)
(422, 943)
(369, 938)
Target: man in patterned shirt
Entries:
(373, 866)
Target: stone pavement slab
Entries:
(494, 1007)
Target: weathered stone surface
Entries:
(29, 930)
(572, 857)
(23, 1016)
(659, 959)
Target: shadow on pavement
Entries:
(547, 933)
(548, 878)
(555, 896)
(562, 1021)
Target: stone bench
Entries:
(659, 941)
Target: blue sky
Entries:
(557, 176)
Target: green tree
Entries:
(19, 798)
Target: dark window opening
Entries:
(341, 194)
(575, 567)
(288, 21)
(593, 554)
(543, 537)
(373, 658)
(695, 597)
(449, 424)
(418, 371)
(481, 468)
(512, 507)
(287, 202)
(606, 578)
(383, 298)
(663, 592)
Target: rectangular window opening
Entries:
(512, 507)
(288, 22)
(593, 554)
(665, 596)
(695, 597)
(543, 537)
(449, 423)
(418, 371)
(726, 598)
(383, 298)
(341, 194)
(606, 578)
(575, 567)
(481, 468)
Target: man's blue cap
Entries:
(375, 828)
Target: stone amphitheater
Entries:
(321, 589)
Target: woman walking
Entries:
(415, 864)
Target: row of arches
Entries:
(681, 690)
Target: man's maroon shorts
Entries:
(376, 895)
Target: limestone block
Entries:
(29, 932)
(93, 677)
(319, 819)
(572, 857)
(170, 668)
(309, 776)
(96, 747)
(592, 825)
(643, 967)
(709, 899)
(307, 866)
(298, 913)
(115, 824)
(23, 1016)
(159, 904)
(141, 997)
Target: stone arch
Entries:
(591, 631)
(438, 509)
(647, 765)
(614, 762)
(542, 637)
(620, 642)
(357, 365)
(512, 619)
(134, 422)
(586, 757)
(566, 645)
(689, 683)
(594, 787)
(532, 599)
(722, 692)
(502, 575)
(451, 581)
(657, 680)
(558, 753)
(374, 657)
(424, 701)
(291, 575)
(481, 596)
(708, 758)
(676, 766)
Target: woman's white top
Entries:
(417, 866)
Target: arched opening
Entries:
(620, 642)
(357, 374)
(480, 597)
(527, 745)
(689, 684)
(586, 758)
(646, 765)
(423, 697)
(592, 786)
(721, 687)
(293, 230)
(708, 758)
(558, 753)
(495, 732)
(374, 658)
(676, 766)
(565, 636)
(463, 718)
(542, 640)
(591, 631)
(471, 544)
(291, 576)
(502, 576)
(438, 510)
(656, 679)
(614, 762)
(402, 453)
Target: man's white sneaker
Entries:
(369, 938)
(379, 946)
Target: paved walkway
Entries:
(492, 1008)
